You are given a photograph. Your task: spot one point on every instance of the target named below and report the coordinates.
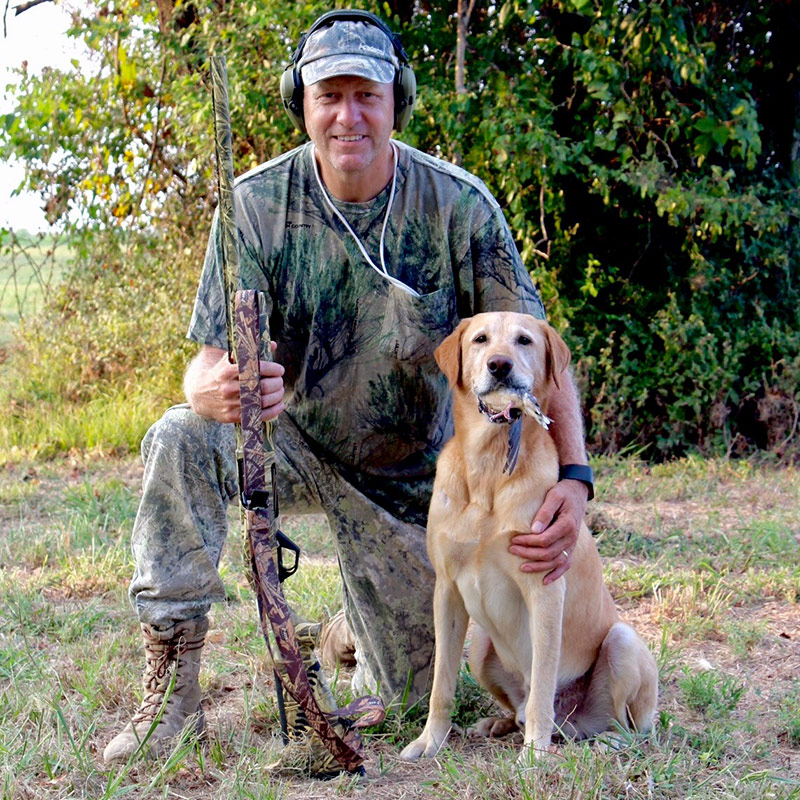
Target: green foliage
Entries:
(639, 157)
(122, 156)
(645, 155)
(471, 702)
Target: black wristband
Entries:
(578, 472)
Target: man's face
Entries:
(350, 121)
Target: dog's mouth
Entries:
(505, 407)
(501, 403)
(510, 413)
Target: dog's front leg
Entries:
(450, 620)
(546, 604)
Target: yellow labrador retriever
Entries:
(556, 656)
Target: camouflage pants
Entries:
(181, 527)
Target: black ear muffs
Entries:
(405, 82)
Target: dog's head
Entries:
(501, 356)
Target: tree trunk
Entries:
(465, 9)
(464, 13)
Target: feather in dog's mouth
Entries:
(505, 406)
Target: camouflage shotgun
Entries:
(330, 739)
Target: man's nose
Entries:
(499, 366)
(349, 111)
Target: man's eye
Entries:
(524, 340)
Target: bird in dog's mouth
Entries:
(508, 405)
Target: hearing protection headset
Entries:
(405, 84)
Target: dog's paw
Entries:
(427, 745)
(494, 727)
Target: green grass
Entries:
(45, 411)
(710, 693)
(80, 371)
(701, 556)
(789, 714)
(114, 422)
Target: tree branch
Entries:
(545, 254)
(462, 29)
(30, 4)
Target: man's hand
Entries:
(211, 386)
(554, 532)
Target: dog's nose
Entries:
(499, 366)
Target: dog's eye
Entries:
(480, 338)
(523, 340)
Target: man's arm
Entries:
(211, 386)
(555, 527)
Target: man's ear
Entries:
(558, 355)
(448, 354)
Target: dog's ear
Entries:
(448, 354)
(558, 355)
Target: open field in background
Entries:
(34, 268)
(702, 556)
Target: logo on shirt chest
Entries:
(294, 226)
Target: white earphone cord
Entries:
(382, 269)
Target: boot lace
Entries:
(159, 657)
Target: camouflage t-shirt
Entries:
(362, 381)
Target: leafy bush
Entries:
(642, 158)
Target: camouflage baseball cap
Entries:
(348, 48)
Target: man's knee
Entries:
(180, 426)
(191, 445)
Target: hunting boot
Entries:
(170, 674)
(337, 644)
